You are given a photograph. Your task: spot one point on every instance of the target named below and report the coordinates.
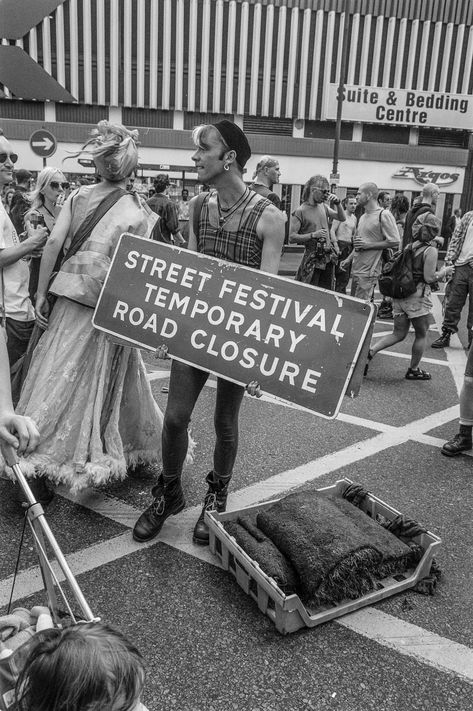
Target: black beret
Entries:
(235, 140)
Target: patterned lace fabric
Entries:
(91, 401)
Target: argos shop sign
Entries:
(422, 175)
(401, 106)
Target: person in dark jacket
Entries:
(428, 203)
(20, 204)
(167, 228)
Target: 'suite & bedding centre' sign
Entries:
(406, 107)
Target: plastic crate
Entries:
(287, 611)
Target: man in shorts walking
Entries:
(376, 231)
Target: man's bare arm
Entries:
(271, 228)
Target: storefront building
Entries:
(273, 66)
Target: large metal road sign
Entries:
(300, 343)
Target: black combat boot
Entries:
(168, 501)
(461, 442)
(215, 500)
(444, 340)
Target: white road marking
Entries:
(158, 374)
(407, 356)
(408, 639)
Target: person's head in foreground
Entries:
(222, 148)
(113, 148)
(87, 667)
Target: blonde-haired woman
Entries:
(45, 207)
(90, 397)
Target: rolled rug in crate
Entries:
(337, 550)
(262, 550)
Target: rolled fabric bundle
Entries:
(337, 551)
(264, 552)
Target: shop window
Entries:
(375, 133)
(443, 137)
(80, 113)
(326, 129)
(149, 118)
(267, 126)
(26, 110)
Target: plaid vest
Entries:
(244, 246)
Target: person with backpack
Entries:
(399, 208)
(427, 202)
(376, 231)
(414, 270)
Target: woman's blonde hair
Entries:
(36, 196)
(113, 148)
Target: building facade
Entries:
(273, 66)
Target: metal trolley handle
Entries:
(42, 533)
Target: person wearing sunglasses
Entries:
(311, 226)
(45, 206)
(15, 304)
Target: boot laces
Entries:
(210, 501)
(158, 505)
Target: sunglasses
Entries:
(4, 156)
(56, 186)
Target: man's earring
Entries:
(226, 166)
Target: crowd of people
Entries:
(85, 413)
(57, 243)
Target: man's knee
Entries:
(176, 419)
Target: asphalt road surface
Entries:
(207, 646)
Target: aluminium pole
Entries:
(341, 86)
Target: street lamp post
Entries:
(341, 87)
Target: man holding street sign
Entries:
(235, 224)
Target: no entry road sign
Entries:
(43, 143)
(299, 342)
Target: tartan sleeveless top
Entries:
(243, 245)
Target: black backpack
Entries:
(397, 277)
